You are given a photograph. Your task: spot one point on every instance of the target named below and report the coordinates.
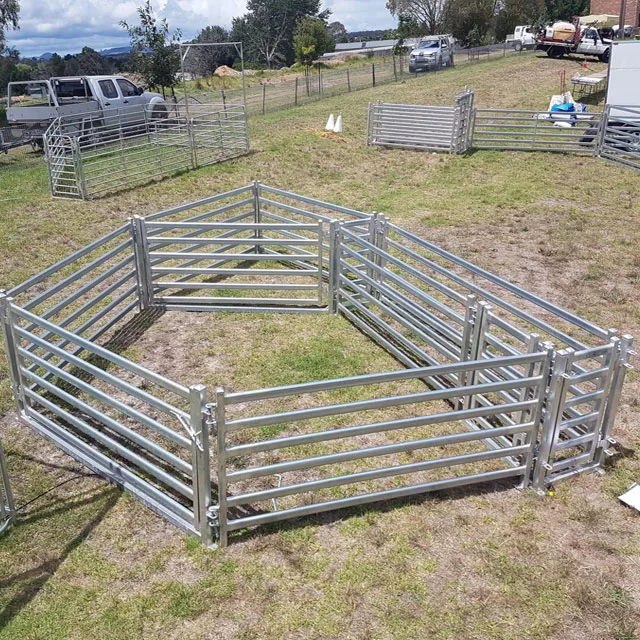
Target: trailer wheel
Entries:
(555, 52)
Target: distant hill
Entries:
(46, 56)
(114, 52)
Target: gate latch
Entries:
(195, 437)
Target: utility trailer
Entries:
(584, 40)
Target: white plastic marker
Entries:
(338, 127)
(331, 123)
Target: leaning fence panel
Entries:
(621, 136)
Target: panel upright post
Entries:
(622, 366)
(143, 262)
(467, 333)
(7, 504)
(552, 416)
(480, 328)
(257, 215)
(11, 347)
(334, 257)
(200, 461)
(221, 460)
(533, 346)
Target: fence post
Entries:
(373, 73)
(79, 169)
(603, 125)
(221, 458)
(295, 99)
(395, 69)
(335, 255)
(621, 367)
(7, 505)
(142, 261)
(348, 81)
(11, 347)
(200, 462)
(552, 416)
(257, 215)
(480, 327)
(264, 98)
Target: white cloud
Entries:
(65, 26)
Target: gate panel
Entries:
(234, 265)
(129, 424)
(412, 126)
(397, 438)
(518, 130)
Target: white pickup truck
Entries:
(523, 37)
(35, 104)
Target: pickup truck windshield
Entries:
(428, 44)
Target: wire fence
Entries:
(284, 92)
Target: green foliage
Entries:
(205, 60)
(9, 12)
(156, 53)
(338, 32)
(268, 27)
(311, 40)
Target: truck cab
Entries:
(523, 37)
(433, 52)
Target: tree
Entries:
(55, 66)
(338, 32)
(156, 54)
(9, 12)
(517, 12)
(472, 21)
(90, 62)
(426, 15)
(311, 40)
(205, 60)
(268, 26)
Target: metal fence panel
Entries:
(91, 154)
(521, 130)
(621, 136)
(468, 409)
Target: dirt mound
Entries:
(226, 72)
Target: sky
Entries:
(65, 26)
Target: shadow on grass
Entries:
(28, 584)
(384, 506)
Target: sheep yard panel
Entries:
(499, 384)
(89, 155)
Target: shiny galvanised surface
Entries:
(497, 384)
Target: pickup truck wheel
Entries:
(605, 56)
(159, 112)
(518, 46)
(555, 52)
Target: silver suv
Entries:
(432, 53)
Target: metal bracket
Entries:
(210, 412)
(273, 501)
(213, 517)
(190, 432)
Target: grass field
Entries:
(87, 562)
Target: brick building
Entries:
(612, 7)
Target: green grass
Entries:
(87, 562)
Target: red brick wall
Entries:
(612, 7)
